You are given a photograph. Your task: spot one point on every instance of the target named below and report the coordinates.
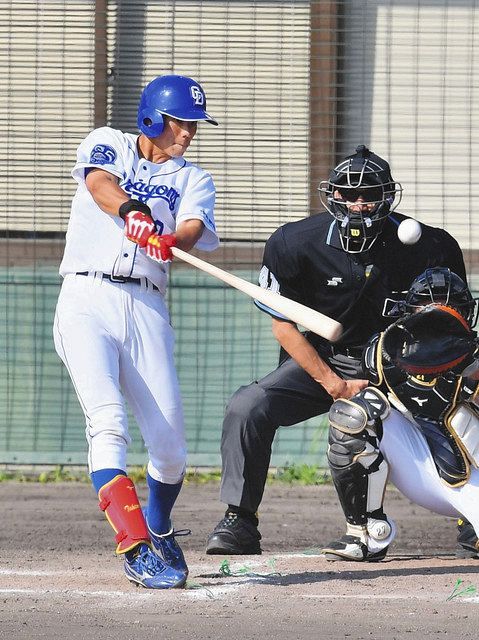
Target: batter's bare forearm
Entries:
(188, 234)
(106, 191)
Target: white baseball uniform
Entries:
(115, 338)
(413, 472)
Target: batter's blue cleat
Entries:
(147, 569)
(166, 546)
(169, 550)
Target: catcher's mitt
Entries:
(433, 340)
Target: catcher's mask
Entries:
(439, 285)
(366, 175)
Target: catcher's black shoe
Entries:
(467, 542)
(234, 535)
(351, 548)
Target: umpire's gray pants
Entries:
(284, 397)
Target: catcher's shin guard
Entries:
(357, 466)
(467, 542)
(119, 501)
(359, 473)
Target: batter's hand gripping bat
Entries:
(300, 314)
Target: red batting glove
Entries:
(159, 247)
(138, 227)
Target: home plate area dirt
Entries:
(60, 578)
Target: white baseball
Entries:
(409, 231)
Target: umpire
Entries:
(346, 268)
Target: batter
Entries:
(136, 198)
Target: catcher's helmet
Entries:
(362, 174)
(176, 96)
(439, 285)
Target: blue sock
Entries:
(161, 498)
(102, 476)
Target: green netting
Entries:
(223, 342)
(295, 85)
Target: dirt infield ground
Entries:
(59, 578)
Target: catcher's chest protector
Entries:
(430, 397)
(431, 400)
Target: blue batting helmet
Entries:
(176, 96)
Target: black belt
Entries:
(349, 352)
(120, 279)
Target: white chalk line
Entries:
(202, 592)
(74, 592)
(196, 590)
(33, 573)
(203, 568)
(344, 596)
(210, 568)
(381, 597)
(209, 592)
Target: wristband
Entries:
(133, 205)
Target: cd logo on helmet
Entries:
(197, 95)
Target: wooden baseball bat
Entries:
(300, 314)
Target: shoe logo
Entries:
(335, 281)
(131, 507)
(420, 401)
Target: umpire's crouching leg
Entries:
(284, 397)
(248, 433)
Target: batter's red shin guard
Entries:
(119, 501)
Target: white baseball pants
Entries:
(413, 472)
(117, 343)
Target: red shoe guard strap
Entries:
(119, 501)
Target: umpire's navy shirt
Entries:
(304, 261)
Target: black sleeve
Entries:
(280, 270)
(444, 251)
(455, 258)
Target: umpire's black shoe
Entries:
(351, 548)
(234, 535)
(467, 542)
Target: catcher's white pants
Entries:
(413, 472)
(117, 342)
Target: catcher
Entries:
(418, 425)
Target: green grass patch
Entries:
(291, 474)
(460, 591)
(304, 474)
